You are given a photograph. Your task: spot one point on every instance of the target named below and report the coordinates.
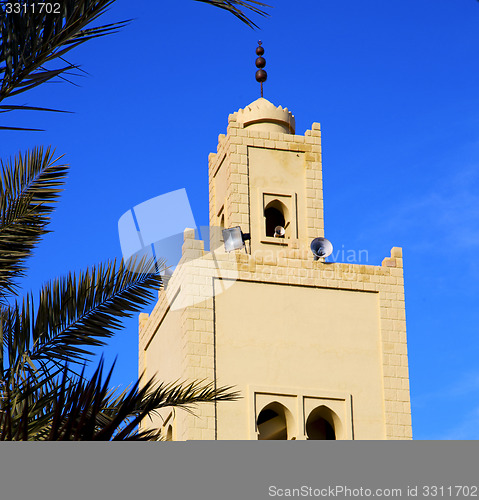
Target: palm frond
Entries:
(74, 314)
(237, 8)
(29, 187)
(8, 108)
(33, 37)
(25, 408)
(4, 108)
(22, 129)
(85, 410)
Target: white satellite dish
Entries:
(279, 232)
(321, 248)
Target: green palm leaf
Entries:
(32, 38)
(25, 408)
(87, 410)
(237, 7)
(74, 314)
(29, 187)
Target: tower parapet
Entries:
(262, 115)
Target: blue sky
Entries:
(394, 85)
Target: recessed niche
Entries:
(279, 218)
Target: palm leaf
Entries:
(75, 314)
(87, 410)
(25, 408)
(7, 108)
(29, 187)
(23, 129)
(31, 38)
(237, 7)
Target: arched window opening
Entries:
(273, 422)
(276, 215)
(321, 424)
(320, 429)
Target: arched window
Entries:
(322, 424)
(275, 214)
(274, 422)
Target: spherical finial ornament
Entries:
(261, 75)
(260, 62)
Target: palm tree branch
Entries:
(75, 314)
(29, 186)
(237, 8)
(32, 38)
(81, 409)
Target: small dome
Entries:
(265, 116)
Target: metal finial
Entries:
(261, 74)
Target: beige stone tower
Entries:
(317, 350)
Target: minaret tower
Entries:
(317, 349)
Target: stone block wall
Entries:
(198, 276)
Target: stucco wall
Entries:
(162, 357)
(292, 336)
